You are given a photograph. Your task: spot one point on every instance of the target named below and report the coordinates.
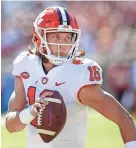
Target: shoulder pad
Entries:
(20, 62)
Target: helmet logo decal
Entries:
(40, 20)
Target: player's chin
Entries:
(61, 55)
(64, 54)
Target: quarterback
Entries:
(54, 63)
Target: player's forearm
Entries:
(13, 123)
(116, 113)
(127, 128)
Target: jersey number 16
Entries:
(94, 73)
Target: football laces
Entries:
(39, 118)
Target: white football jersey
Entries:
(67, 78)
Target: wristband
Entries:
(25, 116)
(131, 144)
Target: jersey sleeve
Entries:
(19, 64)
(91, 74)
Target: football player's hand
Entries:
(39, 103)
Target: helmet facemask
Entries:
(44, 49)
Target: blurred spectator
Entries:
(6, 90)
(133, 82)
(119, 78)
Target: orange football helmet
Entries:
(55, 19)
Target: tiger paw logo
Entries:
(25, 75)
(77, 61)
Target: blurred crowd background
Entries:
(108, 36)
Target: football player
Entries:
(51, 65)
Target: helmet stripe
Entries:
(60, 16)
(64, 18)
(67, 15)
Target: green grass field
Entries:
(102, 133)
